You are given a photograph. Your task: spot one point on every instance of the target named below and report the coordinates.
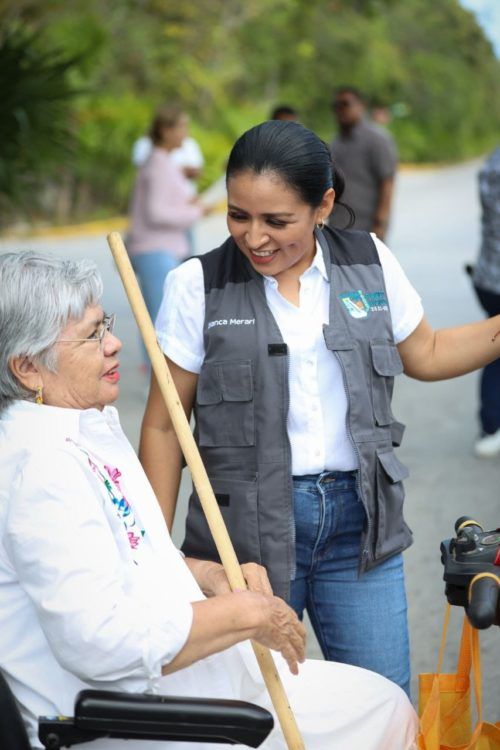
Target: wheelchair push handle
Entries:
(483, 608)
(464, 521)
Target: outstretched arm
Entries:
(383, 212)
(449, 352)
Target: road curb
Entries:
(102, 226)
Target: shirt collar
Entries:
(43, 420)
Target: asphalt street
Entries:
(435, 231)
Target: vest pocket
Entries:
(392, 531)
(224, 404)
(386, 364)
(238, 503)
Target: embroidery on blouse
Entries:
(123, 508)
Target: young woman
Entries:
(285, 342)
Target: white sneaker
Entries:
(488, 446)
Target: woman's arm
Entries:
(223, 621)
(383, 211)
(61, 540)
(159, 449)
(449, 352)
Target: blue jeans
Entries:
(489, 389)
(360, 620)
(151, 270)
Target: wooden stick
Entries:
(201, 482)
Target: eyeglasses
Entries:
(106, 326)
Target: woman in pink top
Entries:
(162, 208)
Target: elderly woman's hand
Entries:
(256, 578)
(222, 621)
(281, 630)
(212, 578)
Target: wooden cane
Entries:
(201, 482)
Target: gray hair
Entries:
(39, 295)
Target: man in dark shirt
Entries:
(367, 155)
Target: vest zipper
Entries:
(293, 567)
(364, 553)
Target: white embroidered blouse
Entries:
(93, 592)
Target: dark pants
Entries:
(489, 395)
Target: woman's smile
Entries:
(263, 257)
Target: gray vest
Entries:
(242, 400)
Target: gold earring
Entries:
(321, 224)
(39, 398)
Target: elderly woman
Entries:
(92, 590)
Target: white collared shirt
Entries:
(318, 402)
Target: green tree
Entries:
(228, 64)
(34, 131)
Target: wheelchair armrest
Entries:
(137, 716)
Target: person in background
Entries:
(366, 154)
(284, 344)
(380, 114)
(93, 593)
(486, 280)
(188, 156)
(284, 112)
(162, 209)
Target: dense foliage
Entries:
(228, 63)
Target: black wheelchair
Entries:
(471, 563)
(100, 713)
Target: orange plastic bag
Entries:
(445, 701)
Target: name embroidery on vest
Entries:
(232, 322)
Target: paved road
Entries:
(435, 231)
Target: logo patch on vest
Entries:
(359, 304)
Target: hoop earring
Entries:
(321, 224)
(39, 398)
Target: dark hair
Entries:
(301, 160)
(283, 109)
(349, 90)
(165, 117)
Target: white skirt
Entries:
(337, 707)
